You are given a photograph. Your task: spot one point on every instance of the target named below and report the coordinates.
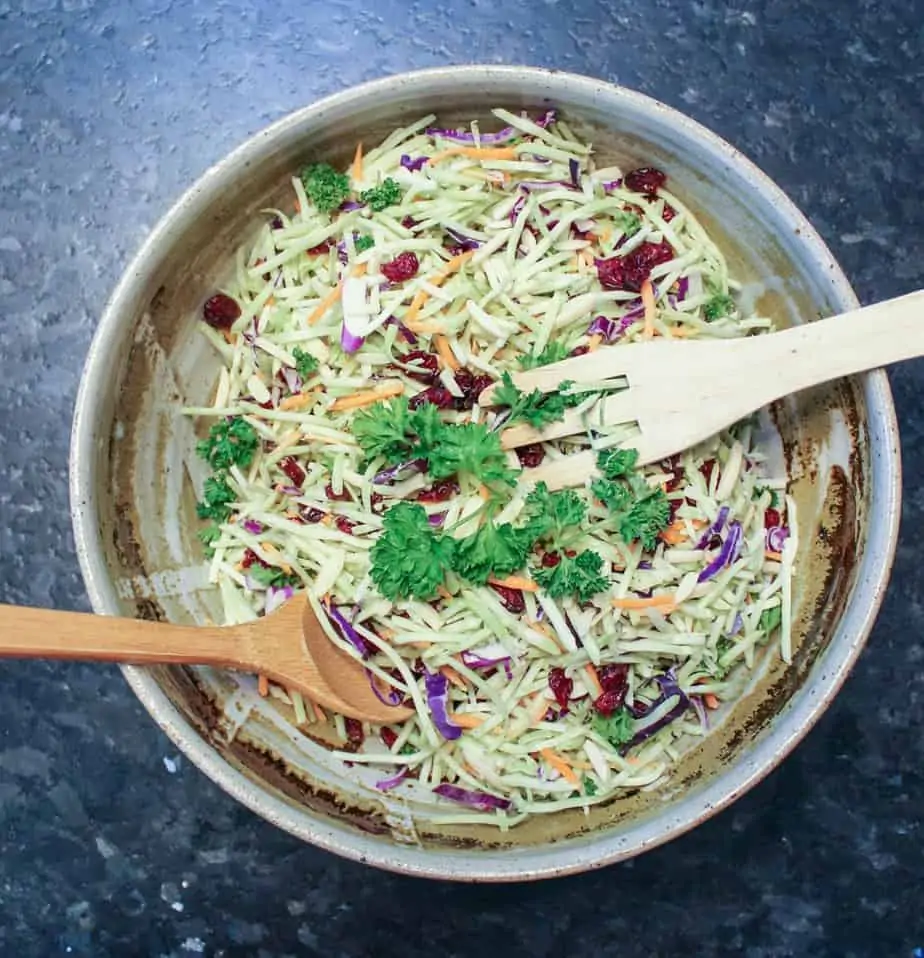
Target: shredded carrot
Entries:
(560, 765)
(515, 582)
(298, 401)
(319, 713)
(675, 533)
(325, 304)
(466, 719)
(298, 207)
(678, 332)
(441, 591)
(773, 556)
(263, 685)
(421, 296)
(453, 677)
(593, 680)
(445, 351)
(229, 337)
(710, 700)
(594, 342)
(419, 645)
(428, 329)
(275, 556)
(358, 164)
(648, 301)
(358, 400)
(639, 603)
(476, 152)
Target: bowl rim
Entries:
(798, 715)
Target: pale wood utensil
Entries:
(280, 645)
(681, 392)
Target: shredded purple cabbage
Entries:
(347, 631)
(437, 686)
(683, 287)
(727, 554)
(405, 333)
(776, 538)
(349, 342)
(487, 657)
(667, 683)
(436, 518)
(413, 164)
(463, 243)
(612, 185)
(466, 136)
(697, 702)
(574, 168)
(275, 597)
(612, 329)
(717, 526)
(386, 784)
(349, 205)
(481, 801)
(292, 378)
(252, 526)
(393, 697)
(404, 470)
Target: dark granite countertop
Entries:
(110, 844)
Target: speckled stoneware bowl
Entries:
(134, 509)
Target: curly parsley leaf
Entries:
(305, 364)
(491, 551)
(629, 223)
(362, 243)
(554, 352)
(326, 188)
(551, 513)
(616, 496)
(271, 577)
(720, 305)
(615, 463)
(383, 430)
(645, 518)
(380, 197)
(230, 443)
(409, 558)
(537, 408)
(580, 576)
(208, 536)
(473, 449)
(771, 618)
(425, 422)
(589, 786)
(217, 496)
(617, 728)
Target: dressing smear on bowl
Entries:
(558, 647)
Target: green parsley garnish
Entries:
(230, 443)
(551, 513)
(589, 786)
(384, 429)
(469, 448)
(617, 728)
(537, 408)
(771, 618)
(581, 576)
(216, 498)
(362, 243)
(409, 558)
(641, 512)
(326, 188)
(554, 352)
(616, 463)
(305, 363)
(720, 305)
(208, 536)
(491, 550)
(629, 223)
(647, 516)
(380, 197)
(271, 577)
(774, 495)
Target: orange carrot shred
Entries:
(476, 152)
(648, 301)
(560, 765)
(325, 304)
(773, 556)
(263, 685)
(710, 700)
(358, 400)
(357, 171)
(515, 582)
(594, 342)
(445, 352)
(453, 677)
(593, 680)
(466, 719)
(639, 603)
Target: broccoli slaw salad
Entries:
(558, 647)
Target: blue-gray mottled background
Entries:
(112, 845)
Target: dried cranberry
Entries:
(276, 223)
(580, 350)
(343, 496)
(408, 222)
(251, 558)
(344, 525)
(220, 311)
(706, 470)
(674, 505)
(608, 702)
(715, 542)
(531, 456)
(312, 515)
(669, 213)
(613, 677)
(512, 598)
(401, 268)
(426, 365)
(472, 387)
(561, 686)
(550, 560)
(675, 467)
(320, 250)
(630, 271)
(439, 491)
(389, 737)
(354, 730)
(293, 470)
(772, 518)
(376, 499)
(646, 179)
(438, 396)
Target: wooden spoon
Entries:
(276, 645)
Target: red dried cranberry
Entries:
(570, 553)
(550, 560)
(426, 365)
(646, 179)
(266, 405)
(675, 467)
(772, 518)
(354, 730)
(408, 222)
(669, 213)
(320, 250)
(715, 542)
(344, 525)
(438, 396)
(389, 737)
(276, 223)
(401, 268)
(674, 505)
(531, 456)
(608, 702)
(613, 677)
(220, 311)
(512, 598)
(343, 496)
(293, 470)
(630, 271)
(706, 470)
(312, 515)
(561, 686)
(376, 499)
(439, 491)
(580, 350)
(251, 558)
(472, 387)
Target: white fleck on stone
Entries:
(9, 244)
(172, 764)
(196, 945)
(105, 848)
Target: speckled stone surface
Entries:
(110, 844)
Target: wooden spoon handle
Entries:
(43, 633)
